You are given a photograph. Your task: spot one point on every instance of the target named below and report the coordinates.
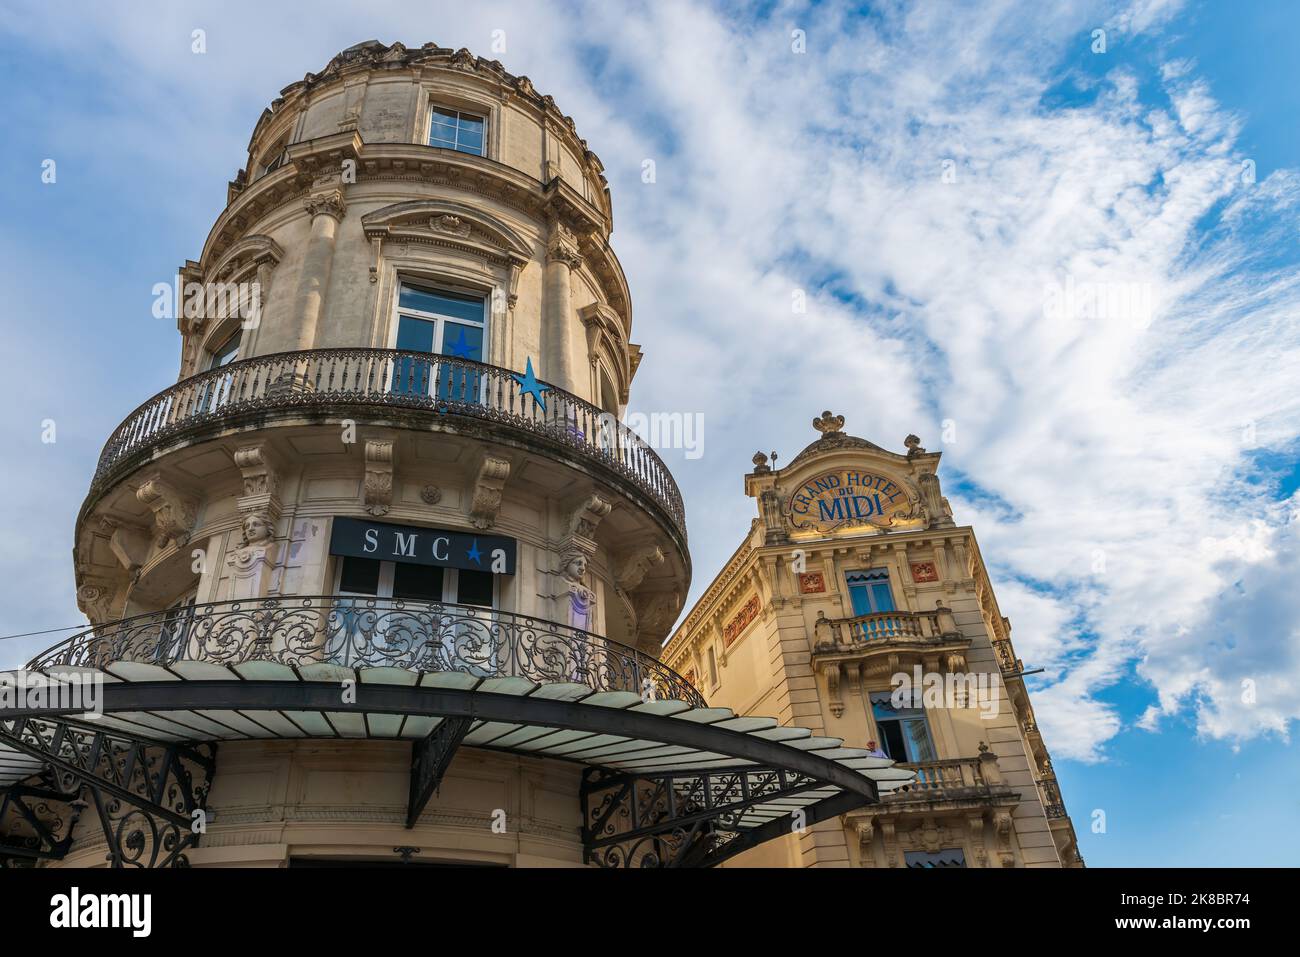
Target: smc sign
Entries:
(847, 497)
(422, 546)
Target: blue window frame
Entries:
(869, 591)
(454, 130)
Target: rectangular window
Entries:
(904, 732)
(456, 130)
(440, 322)
(408, 581)
(869, 591)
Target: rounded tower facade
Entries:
(382, 576)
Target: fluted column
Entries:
(557, 308)
(327, 210)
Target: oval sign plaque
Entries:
(847, 497)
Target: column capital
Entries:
(329, 203)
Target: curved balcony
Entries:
(348, 381)
(304, 633)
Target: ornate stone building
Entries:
(382, 577)
(854, 579)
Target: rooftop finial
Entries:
(828, 423)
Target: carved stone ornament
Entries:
(326, 204)
(377, 494)
(450, 225)
(173, 511)
(581, 599)
(252, 562)
(828, 423)
(587, 516)
(431, 494)
(488, 485)
(633, 568)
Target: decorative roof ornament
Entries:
(828, 423)
(914, 447)
(760, 462)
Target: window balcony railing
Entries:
(355, 633)
(350, 379)
(953, 779)
(885, 626)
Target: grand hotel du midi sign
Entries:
(847, 497)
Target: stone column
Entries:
(327, 210)
(557, 307)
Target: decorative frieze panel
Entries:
(740, 621)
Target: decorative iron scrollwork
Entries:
(679, 818)
(145, 793)
(389, 379)
(373, 633)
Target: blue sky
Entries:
(1131, 480)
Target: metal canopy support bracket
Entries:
(146, 792)
(430, 759)
(36, 821)
(690, 818)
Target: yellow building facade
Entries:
(856, 606)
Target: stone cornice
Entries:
(373, 56)
(704, 604)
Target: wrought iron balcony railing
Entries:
(389, 379)
(425, 637)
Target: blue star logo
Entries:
(528, 385)
(473, 554)
(460, 349)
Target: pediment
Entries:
(447, 223)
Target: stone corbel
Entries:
(889, 838)
(261, 479)
(485, 503)
(831, 671)
(130, 544)
(584, 519)
(100, 601)
(853, 671)
(174, 512)
(630, 570)
(866, 842)
(655, 612)
(1002, 824)
(377, 494)
(975, 827)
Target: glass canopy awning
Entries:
(667, 781)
